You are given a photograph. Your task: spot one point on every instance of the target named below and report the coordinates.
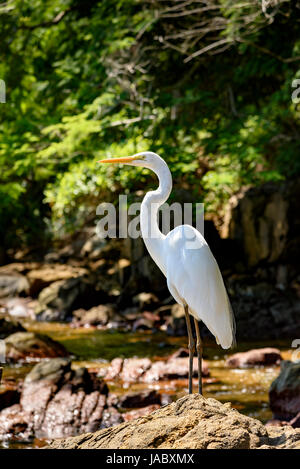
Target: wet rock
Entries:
(15, 423)
(262, 357)
(134, 368)
(8, 326)
(23, 346)
(13, 284)
(284, 392)
(191, 422)
(111, 417)
(98, 315)
(135, 400)
(174, 368)
(143, 370)
(114, 370)
(129, 370)
(56, 401)
(136, 413)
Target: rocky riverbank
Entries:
(191, 422)
(59, 399)
(114, 283)
(111, 290)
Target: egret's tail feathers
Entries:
(226, 333)
(233, 325)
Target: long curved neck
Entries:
(151, 233)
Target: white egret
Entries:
(183, 255)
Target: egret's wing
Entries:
(194, 278)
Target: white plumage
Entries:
(193, 276)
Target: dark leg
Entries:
(199, 354)
(191, 348)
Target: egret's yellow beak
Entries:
(124, 159)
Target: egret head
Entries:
(145, 159)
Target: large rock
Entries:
(192, 422)
(132, 370)
(97, 316)
(57, 401)
(23, 346)
(174, 368)
(263, 310)
(13, 284)
(284, 392)
(255, 357)
(56, 301)
(264, 222)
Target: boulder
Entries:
(114, 369)
(264, 222)
(13, 284)
(191, 422)
(97, 316)
(284, 392)
(27, 346)
(134, 368)
(255, 357)
(56, 301)
(56, 401)
(174, 368)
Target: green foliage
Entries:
(88, 80)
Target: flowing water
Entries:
(246, 389)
